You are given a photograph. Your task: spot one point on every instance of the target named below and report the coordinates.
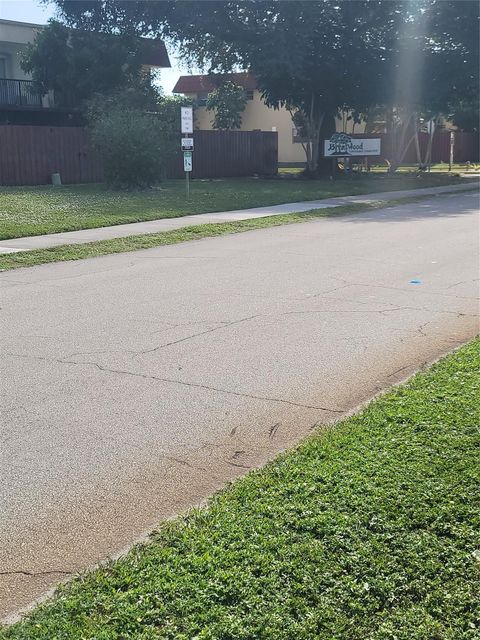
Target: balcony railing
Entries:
(19, 93)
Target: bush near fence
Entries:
(30, 154)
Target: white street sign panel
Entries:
(187, 161)
(342, 145)
(187, 119)
(187, 144)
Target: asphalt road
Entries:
(135, 385)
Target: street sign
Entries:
(187, 119)
(187, 161)
(342, 145)
(187, 144)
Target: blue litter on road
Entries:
(415, 282)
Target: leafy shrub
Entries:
(130, 146)
(136, 137)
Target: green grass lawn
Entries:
(437, 167)
(368, 531)
(26, 211)
(65, 252)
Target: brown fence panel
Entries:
(222, 154)
(466, 147)
(30, 154)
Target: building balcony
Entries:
(20, 94)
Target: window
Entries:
(249, 94)
(3, 67)
(202, 99)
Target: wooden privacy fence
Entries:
(465, 148)
(221, 154)
(30, 154)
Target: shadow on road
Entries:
(444, 206)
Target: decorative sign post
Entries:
(342, 145)
(186, 115)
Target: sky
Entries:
(39, 13)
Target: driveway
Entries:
(135, 385)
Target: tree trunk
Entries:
(417, 141)
(326, 167)
(316, 142)
(402, 148)
(428, 153)
(417, 149)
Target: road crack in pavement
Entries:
(179, 382)
(273, 430)
(407, 366)
(458, 314)
(35, 574)
(222, 325)
(184, 463)
(461, 282)
(195, 335)
(405, 290)
(421, 328)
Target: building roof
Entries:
(154, 53)
(207, 83)
(18, 23)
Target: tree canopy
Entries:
(316, 57)
(227, 101)
(77, 64)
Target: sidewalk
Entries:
(154, 226)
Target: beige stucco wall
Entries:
(13, 39)
(258, 116)
(11, 53)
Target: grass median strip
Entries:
(66, 252)
(368, 530)
(28, 211)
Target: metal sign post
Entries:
(187, 167)
(186, 116)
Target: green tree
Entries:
(410, 57)
(433, 71)
(227, 101)
(312, 57)
(77, 64)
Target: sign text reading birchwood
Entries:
(341, 144)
